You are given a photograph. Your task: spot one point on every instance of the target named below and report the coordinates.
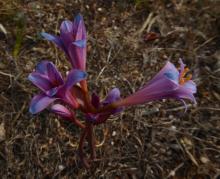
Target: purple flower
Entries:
(62, 111)
(113, 96)
(168, 83)
(72, 41)
(47, 78)
(65, 95)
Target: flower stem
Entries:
(91, 140)
(84, 86)
(109, 107)
(81, 142)
(78, 123)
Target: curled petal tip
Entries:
(185, 106)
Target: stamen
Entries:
(189, 77)
(184, 79)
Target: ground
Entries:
(156, 140)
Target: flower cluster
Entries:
(63, 95)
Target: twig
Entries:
(7, 74)
(192, 158)
(146, 23)
(206, 42)
(208, 108)
(21, 111)
(104, 138)
(108, 61)
(173, 172)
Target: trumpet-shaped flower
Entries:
(168, 83)
(72, 41)
(47, 78)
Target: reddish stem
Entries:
(81, 142)
(83, 84)
(91, 140)
(78, 123)
(88, 129)
(109, 107)
(88, 104)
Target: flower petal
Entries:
(79, 29)
(66, 33)
(41, 81)
(172, 76)
(68, 98)
(66, 27)
(73, 35)
(54, 39)
(112, 96)
(169, 70)
(77, 56)
(39, 103)
(54, 75)
(190, 85)
(52, 91)
(64, 92)
(42, 67)
(61, 111)
(74, 77)
(184, 93)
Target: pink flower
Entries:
(49, 80)
(72, 41)
(168, 83)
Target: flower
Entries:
(168, 83)
(72, 92)
(102, 116)
(48, 79)
(72, 41)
